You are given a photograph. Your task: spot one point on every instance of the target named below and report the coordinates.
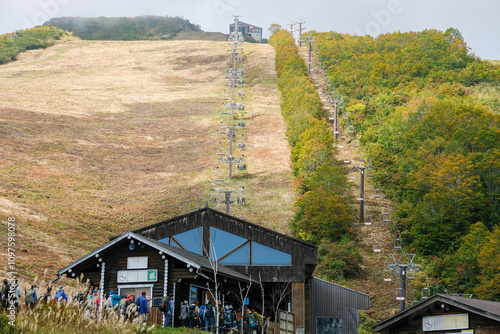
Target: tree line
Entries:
(324, 213)
(124, 28)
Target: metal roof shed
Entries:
(334, 308)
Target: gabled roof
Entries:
(480, 307)
(194, 260)
(238, 220)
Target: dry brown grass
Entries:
(102, 137)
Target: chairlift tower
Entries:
(310, 40)
(402, 264)
(301, 28)
(227, 198)
(230, 132)
(362, 165)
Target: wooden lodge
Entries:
(445, 314)
(187, 255)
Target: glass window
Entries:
(263, 255)
(223, 242)
(165, 240)
(191, 240)
(239, 257)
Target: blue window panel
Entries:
(223, 242)
(190, 240)
(263, 255)
(165, 240)
(239, 257)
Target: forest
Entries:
(124, 28)
(427, 113)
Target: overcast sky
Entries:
(478, 21)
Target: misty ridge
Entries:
(127, 28)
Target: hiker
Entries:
(46, 296)
(109, 300)
(91, 304)
(220, 320)
(209, 316)
(142, 302)
(60, 295)
(194, 314)
(202, 316)
(4, 295)
(31, 297)
(184, 314)
(252, 322)
(129, 308)
(15, 298)
(167, 308)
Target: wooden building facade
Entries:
(177, 256)
(249, 30)
(445, 314)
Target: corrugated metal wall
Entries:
(330, 300)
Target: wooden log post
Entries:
(299, 306)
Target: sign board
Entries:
(135, 276)
(445, 322)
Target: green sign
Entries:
(152, 275)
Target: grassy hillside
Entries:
(133, 28)
(97, 141)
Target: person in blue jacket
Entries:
(142, 301)
(60, 295)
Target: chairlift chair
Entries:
(387, 274)
(400, 294)
(398, 243)
(377, 248)
(368, 220)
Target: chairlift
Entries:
(377, 247)
(387, 274)
(356, 142)
(400, 294)
(221, 150)
(387, 216)
(219, 175)
(241, 124)
(398, 243)
(241, 144)
(241, 167)
(368, 220)
(426, 292)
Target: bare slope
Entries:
(102, 137)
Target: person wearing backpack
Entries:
(16, 297)
(209, 317)
(167, 306)
(184, 314)
(31, 297)
(5, 294)
(194, 314)
(60, 295)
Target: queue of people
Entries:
(207, 317)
